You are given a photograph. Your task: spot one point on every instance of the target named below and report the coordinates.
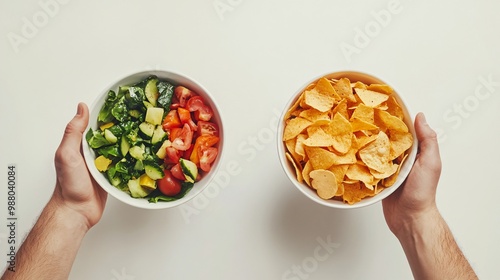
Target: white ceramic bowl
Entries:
(176, 79)
(310, 193)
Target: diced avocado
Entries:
(136, 190)
(139, 165)
(124, 146)
(151, 91)
(147, 128)
(158, 135)
(146, 182)
(162, 151)
(137, 152)
(110, 136)
(154, 115)
(154, 171)
(189, 169)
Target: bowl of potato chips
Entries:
(346, 140)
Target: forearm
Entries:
(51, 247)
(432, 251)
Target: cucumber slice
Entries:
(124, 146)
(147, 128)
(110, 136)
(135, 113)
(154, 171)
(151, 91)
(137, 152)
(189, 169)
(154, 115)
(158, 135)
(136, 190)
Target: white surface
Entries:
(253, 224)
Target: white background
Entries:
(252, 56)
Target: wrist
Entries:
(67, 217)
(419, 223)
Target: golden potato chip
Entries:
(305, 172)
(400, 142)
(358, 84)
(290, 146)
(341, 131)
(358, 125)
(359, 172)
(387, 173)
(391, 122)
(314, 115)
(387, 182)
(382, 88)
(318, 137)
(294, 127)
(364, 113)
(299, 145)
(344, 90)
(341, 108)
(319, 157)
(294, 106)
(339, 172)
(318, 101)
(298, 170)
(324, 182)
(355, 192)
(376, 155)
(371, 98)
(393, 108)
(324, 87)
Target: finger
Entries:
(428, 144)
(74, 129)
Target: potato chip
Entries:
(318, 101)
(371, 98)
(319, 157)
(346, 140)
(324, 87)
(391, 122)
(400, 142)
(382, 88)
(341, 130)
(298, 169)
(376, 155)
(344, 90)
(294, 127)
(318, 137)
(305, 172)
(314, 115)
(324, 182)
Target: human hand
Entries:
(75, 189)
(416, 197)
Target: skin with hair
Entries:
(412, 215)
(76, 205)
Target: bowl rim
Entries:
(306, 190)
(175, 77)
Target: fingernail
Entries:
(424, 120)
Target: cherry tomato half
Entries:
(207, 128)
(201, 111)
(168, 185)
(183, 141)
(176, 171)
(208, 155)
(183, 94)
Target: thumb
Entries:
(74, 129)
(428, 144)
